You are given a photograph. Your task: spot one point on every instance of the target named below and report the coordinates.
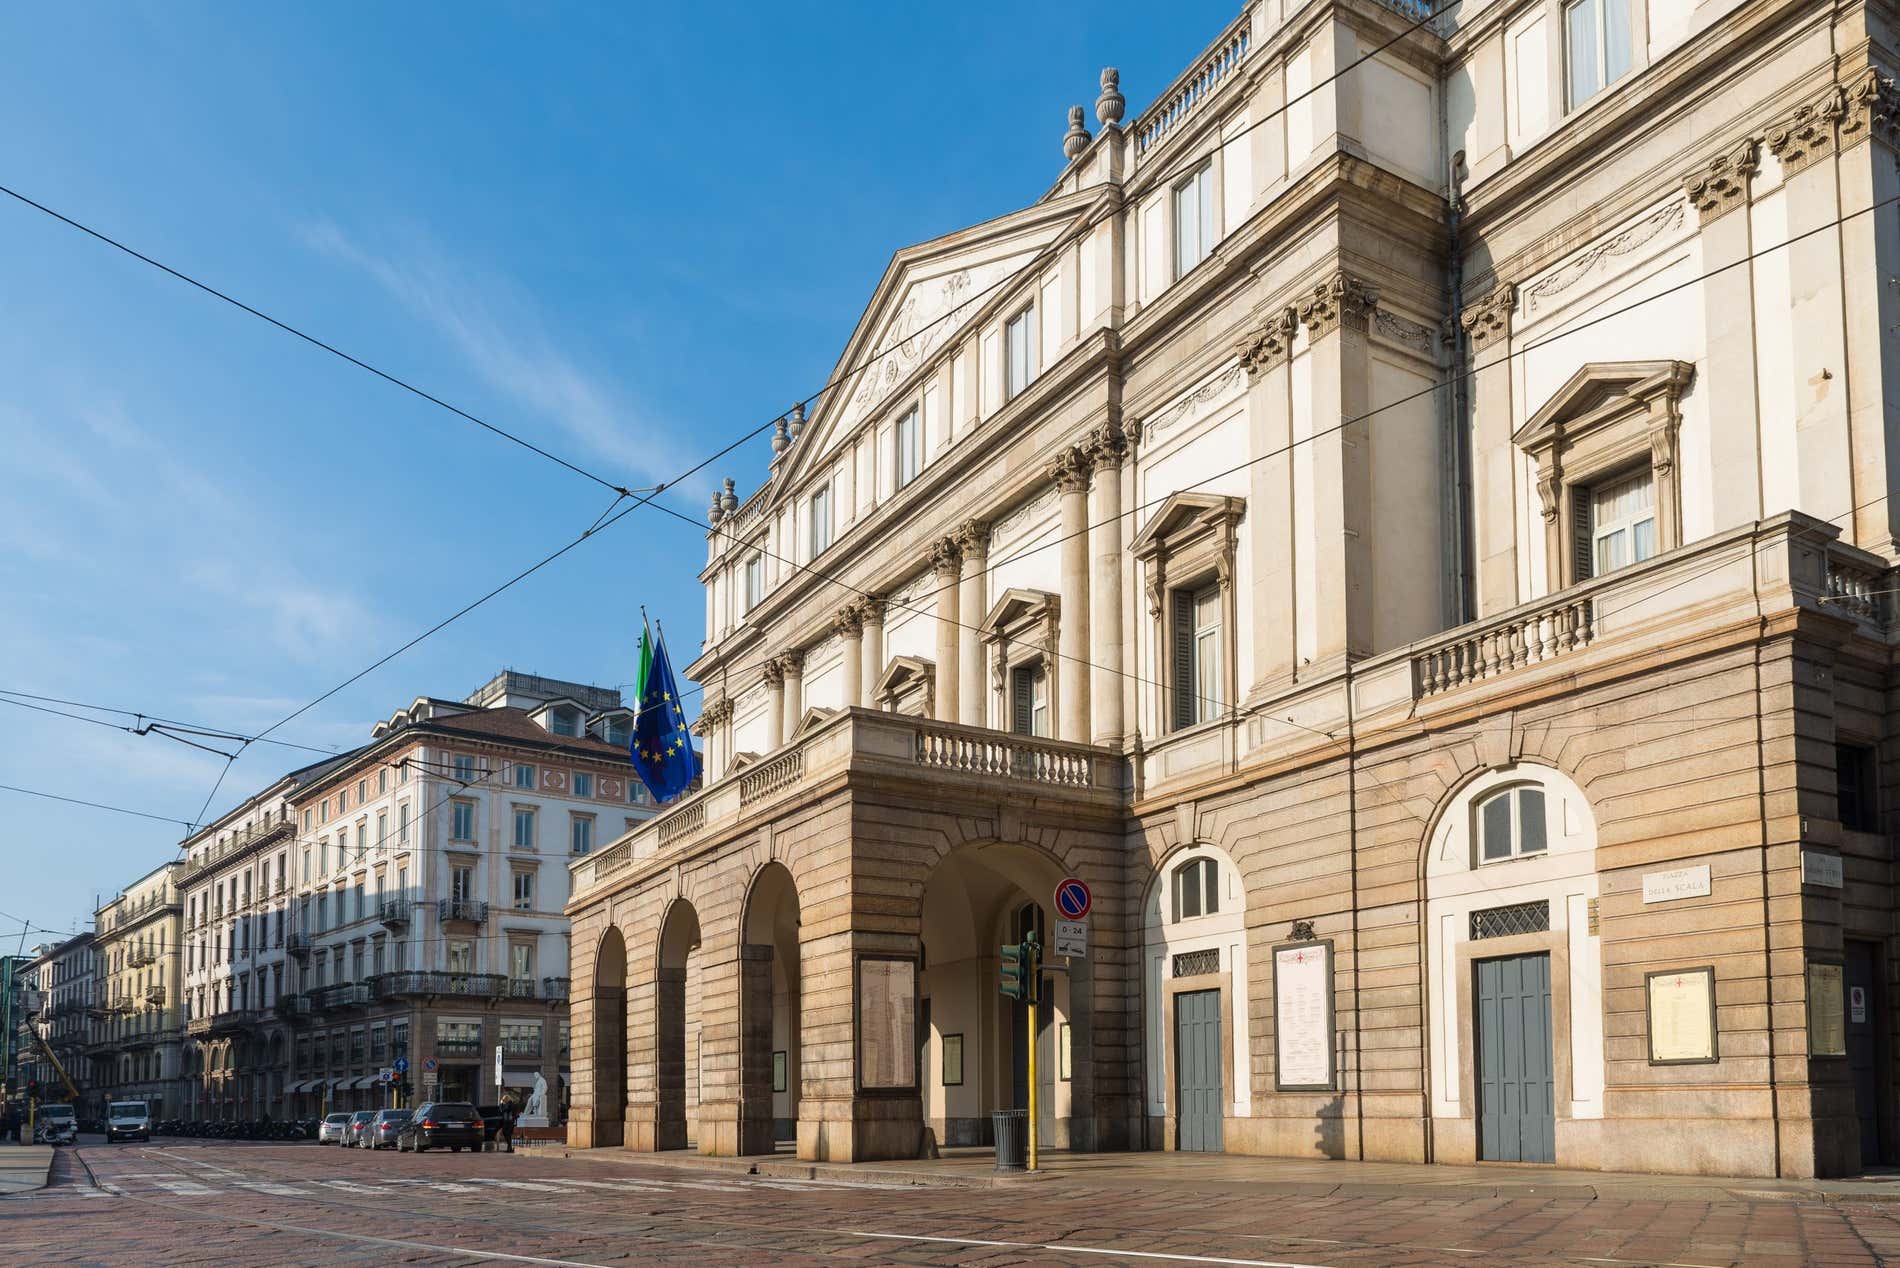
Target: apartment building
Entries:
(1407, 518)
(58, 989)
(135, 1046)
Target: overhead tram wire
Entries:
(911, 605)
(620, 491)
(148, 725)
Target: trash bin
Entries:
(1012, 1139)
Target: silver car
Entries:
(355, 1135)
(330, 1131)
(382, 1130)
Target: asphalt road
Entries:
(196, 1202)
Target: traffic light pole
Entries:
(1032, 1083)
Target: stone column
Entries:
(871, 615)
(1071, 477)
(946, 559)
(1264, 357)
(793, 664)
(755, 1050)
(1493, 510)
(849, 625)
(1336, 315)
(1717, 188)
(973, 539)
(775, 704)
(1107, 447)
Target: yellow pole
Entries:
(1032, 1082)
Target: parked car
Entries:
(330, 1131)
(456, 1125)
(56, 1125)
(384, 1128)
(354, 1135)
(128, 1120)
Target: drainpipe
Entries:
(1458, 405)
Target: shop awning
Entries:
(364, 1083)
(301, 1085)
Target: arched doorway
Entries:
(609, 1113)
(676, 1028)
(769, 1013)
(973, 1042)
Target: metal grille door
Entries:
(1517, 1115)
(1197, 1080)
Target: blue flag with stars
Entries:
(662, 747)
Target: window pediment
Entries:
(1017, 611)
(815, 717)
(1602, 393)
(908, 685)
(1185, 518)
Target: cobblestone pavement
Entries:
(194, 1202)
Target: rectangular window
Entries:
(1019, 339)
(463, 767)
(583, 784)
(1193, 219)
(907, 441)
(382, 827)
(1029, 700)
(461, 883)
(402, 822)
(1197, 656)
(562, 722)
(820, 521)
(524, 891)
(520, 961)
(524, 775)
(378, 1043)
(754, 582)
(1854, 779)
(1596, 46)
(461, 956)
(362, 791)
(524, 829)
(1618, 524)
(462, 821)
(521, 1038)
(581, 833)
(382, 780)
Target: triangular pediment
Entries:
(1016, 604)
(815, 717)
(1183, 512)
(1600, 391)
(929, 294)
(902, 672)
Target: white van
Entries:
(56, 1125)
(128, 1120)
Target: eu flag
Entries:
(662, 747)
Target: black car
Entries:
(454, 1125)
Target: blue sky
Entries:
(629, 233)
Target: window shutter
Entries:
(1584, 525)
(1183, 681)
(1022, 688)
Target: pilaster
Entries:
(1107, 449)
(946, 560)
(1266, 355)
(1070, 474)
(1336, 314)
(1487, 330)
(973, 540)
(1723, 185)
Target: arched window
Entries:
(1511, 824)
(1196, 889)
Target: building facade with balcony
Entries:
(237, 892)
(59, 983)
(134, 1051)
(1407, 519)
(428, 876)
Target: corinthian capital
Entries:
(870, 610)
(1807, 134)
(1269, 345)
(1723, 183)
(1873, 109)
(1070, 472)
(945, 555)
(973, 538)
(1107, 447)
(774, 673)
(1489, 319)
(1341, 300)
(849, 622)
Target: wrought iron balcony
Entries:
(293, 1007)
(458, 1047)
(395, 912)
(139, 957)
(155, 995)
(554, 987)
(343, 995)
(298, 944)
(480, 985)
(460, 911)
(238, 1019)
(198, 1027)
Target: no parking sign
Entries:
(1073, 899)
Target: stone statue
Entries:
(538, 1099)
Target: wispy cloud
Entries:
(517, 357)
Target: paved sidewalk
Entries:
(973, 1168)
(24, 1167)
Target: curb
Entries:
(792, 1169)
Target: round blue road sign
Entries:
(1073, 899)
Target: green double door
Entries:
(1198, 1087)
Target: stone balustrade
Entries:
(1524, 637)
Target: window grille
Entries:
(1194, 963)
(1502, 922)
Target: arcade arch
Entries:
(608, 1019)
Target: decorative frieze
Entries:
(1341, 300)
(1270, 345)
(1404, 332)
(1723, 184)
(1489, 320)
(1807, 135)
(1645, 230)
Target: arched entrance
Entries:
(769, 1013)
(609, 1022)
(973, 1042)
(676, 1029)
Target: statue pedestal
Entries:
(532, 1120)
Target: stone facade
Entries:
(1448, 629)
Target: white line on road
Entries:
(1118, 1251)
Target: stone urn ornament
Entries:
(1111, 104)
(1077, 138)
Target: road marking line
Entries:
(275, 1189)
(186, 1187)
(1082, 1250)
